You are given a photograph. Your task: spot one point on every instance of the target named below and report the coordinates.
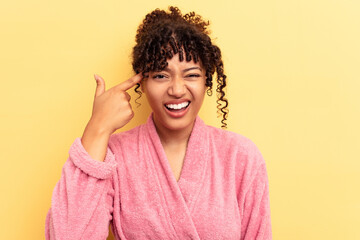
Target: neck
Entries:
(169, 137)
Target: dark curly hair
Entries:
(162, 34)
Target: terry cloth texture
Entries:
(222, 192)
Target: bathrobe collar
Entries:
(180, 196)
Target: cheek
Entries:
(197, 89)
(152, 98)
(147, 88)
(153, 94)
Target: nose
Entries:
(177, 87)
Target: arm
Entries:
(256, 223)
(82, 200)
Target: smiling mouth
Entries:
(177, 107)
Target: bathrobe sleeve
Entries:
(82, 200)
(254, 199)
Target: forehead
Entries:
(175, 62)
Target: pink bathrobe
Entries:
(222, 193)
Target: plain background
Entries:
(293, 88)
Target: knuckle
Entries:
(124, 94)
(129, 112)
(132, 114)
(121, 94)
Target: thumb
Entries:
(100, 87)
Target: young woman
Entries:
(173, 177)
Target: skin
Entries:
(180, 81)
(111, 111)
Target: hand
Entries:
(111, 108)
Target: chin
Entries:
(178, 124)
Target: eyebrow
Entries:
(185, 70)
(188, 69)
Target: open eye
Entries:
(159, 76)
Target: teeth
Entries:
(178, 106)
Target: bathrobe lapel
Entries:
(180, 197)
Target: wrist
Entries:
(95, 141)
(96, 130)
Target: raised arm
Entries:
(253, 196)
(256, 223)
(82, 201)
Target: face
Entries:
(176, 94)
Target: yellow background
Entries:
(294, 84)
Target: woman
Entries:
(173, 177)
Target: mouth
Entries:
(177, 110)
(177, 107)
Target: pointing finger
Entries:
(130, 82)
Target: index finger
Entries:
(130, 82)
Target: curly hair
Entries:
(162, 34)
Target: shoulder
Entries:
(238, 146)
(231, 139)
(242, 155)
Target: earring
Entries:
(209, 92)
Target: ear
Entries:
(143, 82)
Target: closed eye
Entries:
(193, 75)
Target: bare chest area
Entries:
(176, 161)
